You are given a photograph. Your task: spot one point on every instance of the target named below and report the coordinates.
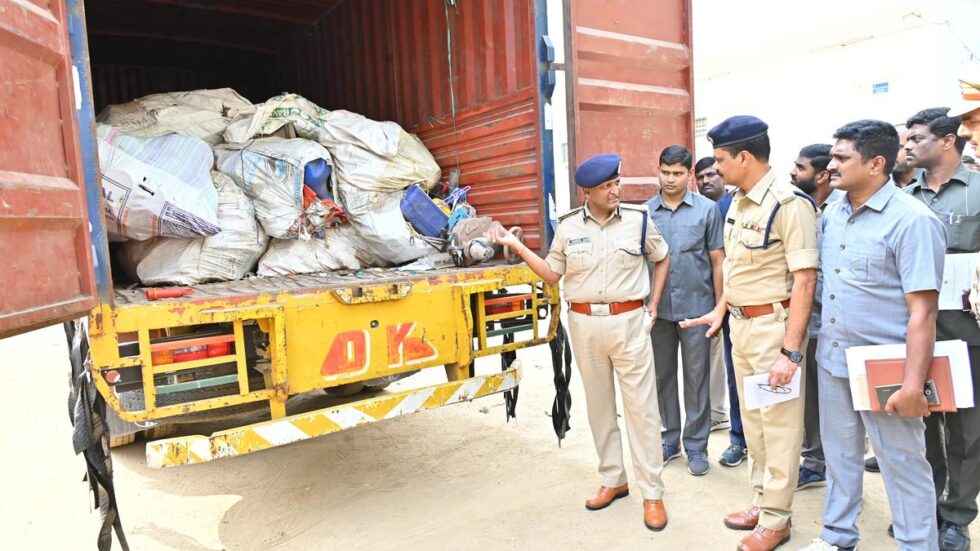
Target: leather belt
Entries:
(749, 312)
(610, 309)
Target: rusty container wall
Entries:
(472, 95)
(630, 78)
(44, 239)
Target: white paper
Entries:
(956, 351)
(759, 394)
(957, 277)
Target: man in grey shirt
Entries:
(692, 226)
(881, 256)
(952, 193)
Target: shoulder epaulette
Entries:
(640, 208)
(569, 213)
(645, 210)
(785, 194)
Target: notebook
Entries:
(885, 377)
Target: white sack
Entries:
(270, 170)
(370, 155)
(382, 231)
(376, 156)
(274, 114)
(227, 256)
(203, 114)
(335, 251)
(157, 186)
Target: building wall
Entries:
(808, 68)
(813, 72)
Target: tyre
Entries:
(344, 391)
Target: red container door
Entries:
(44, 237)
(630, 85)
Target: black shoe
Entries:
(871, 465)
(953, 537)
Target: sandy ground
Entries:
(459, 477)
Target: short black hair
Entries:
(872, 139)
(758, 147)
(818, 154)
(939, 124)
(676, 155)
(704, 163)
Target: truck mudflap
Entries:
(90, 435)
(185, 450)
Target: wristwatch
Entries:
(793, 356)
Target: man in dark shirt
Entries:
(952, 192)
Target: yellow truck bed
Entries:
(260, 340)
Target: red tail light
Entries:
(502, 305)
(191, 349)
(219, 349)
(190, 354)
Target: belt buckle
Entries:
(736, 311)
(599, 310)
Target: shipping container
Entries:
(472, 78)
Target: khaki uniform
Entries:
(717, 387)
(602, 263)
(759, 276)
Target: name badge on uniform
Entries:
(579, 241)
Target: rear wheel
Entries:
(379, 383)
(344, 391)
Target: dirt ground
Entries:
(459, 477)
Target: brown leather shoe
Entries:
(654, 514)
(605, 496)
(743, 520)
(764, 539)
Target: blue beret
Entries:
(737, 129)
(598, 169)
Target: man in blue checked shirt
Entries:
(692, 226)
(882, 261)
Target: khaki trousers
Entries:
(718, 387)
(774, 434)
(607, 345)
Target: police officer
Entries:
(769, 279)
(601, 248)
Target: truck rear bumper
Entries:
(185, 450)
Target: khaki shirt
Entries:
(602, 262)
(764, 276)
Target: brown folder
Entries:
(885, 377)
